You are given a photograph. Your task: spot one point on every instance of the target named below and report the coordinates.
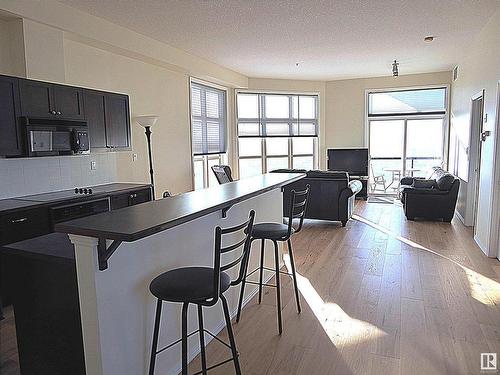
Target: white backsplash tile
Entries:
(26, 176)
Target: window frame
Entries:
(264, 156)
(222, 157)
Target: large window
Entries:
(406, 134)
(208, 132)
(276, 131)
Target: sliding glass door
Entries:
(403, 147)
(406, 132)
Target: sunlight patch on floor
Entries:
(342, 329)
(478, 284)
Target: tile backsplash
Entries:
(26, 176)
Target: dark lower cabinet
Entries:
(23, 224)
(131, 198)
(11, 139)
(44, 295)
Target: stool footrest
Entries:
(216, 365)
(268, 269)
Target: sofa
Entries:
(332, 195)
(434, 197)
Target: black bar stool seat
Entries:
(189, 284)
(271, 231)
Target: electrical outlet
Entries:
(93, 165)
(134, 157)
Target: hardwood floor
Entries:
(381, 296)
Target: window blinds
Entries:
(407, 102)
(277, 115)
(208, 120)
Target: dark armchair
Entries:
(432, 198)
(222, 173)
(332, 195)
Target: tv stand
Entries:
(363, 194)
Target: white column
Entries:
(87, 265)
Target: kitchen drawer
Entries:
(23, 224)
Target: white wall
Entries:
(480, 69)
(345, 104)
(12, 60)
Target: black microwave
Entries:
(46, 137)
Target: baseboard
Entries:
(192, 354)
(460, 217)
(483, 248)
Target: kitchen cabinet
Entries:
(42, 99)
(130, 198)
(108, 119)
(96, 119)
(117, 121)
(11, 137)
(23, 224)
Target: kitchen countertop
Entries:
(54, 245)
(136, 222)
(13, 204)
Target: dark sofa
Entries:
(332, 194)
(433, 198)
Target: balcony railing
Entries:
(386, 172)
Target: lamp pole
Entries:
(151, 173)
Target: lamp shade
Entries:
(145, 121)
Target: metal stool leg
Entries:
(294, 274)
(156, 332)
(202, 341)
(242, 290)
(278, 288)
(231, 335)
(262, 243)
(184, 339)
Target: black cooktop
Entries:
(78, 193)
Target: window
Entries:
(406, 134)
(208, 132)
(276, 131)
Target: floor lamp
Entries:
(147, 122)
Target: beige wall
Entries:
(345, 104)
(12, 59)
(298, 86)
(480, 69)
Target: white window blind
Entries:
(208, 120)
(407, 102)
(277, 115)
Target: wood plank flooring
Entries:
(381, 296)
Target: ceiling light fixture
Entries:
(428, 39)
(395, 70)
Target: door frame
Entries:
(475, 158)
(494, 250)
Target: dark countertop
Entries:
(98, 190)
(13, 204)
(54, 245)
(136, 222)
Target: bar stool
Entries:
(278, 232)
(202, 286)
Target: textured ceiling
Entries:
(330, 39)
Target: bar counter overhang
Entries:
(118, 253)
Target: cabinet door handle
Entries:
(59, 112)
(53, 112)
(19, 220)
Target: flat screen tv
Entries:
(351, 160)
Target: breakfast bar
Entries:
(118, 253)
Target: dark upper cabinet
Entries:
(41, 99)
(10, 133)
(96, 118)
(108, 119)
(68, 101)
(36, 99)
(117, 121)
